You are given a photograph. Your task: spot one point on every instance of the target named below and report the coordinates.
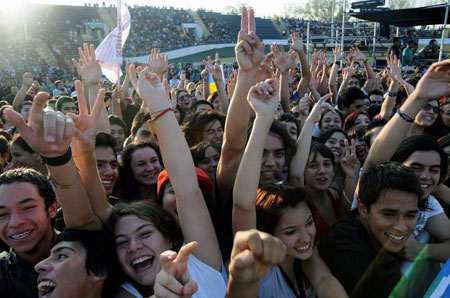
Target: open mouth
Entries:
(21, 235)
(303, 249)
(46, 287)
(142, 263)
(395, 237)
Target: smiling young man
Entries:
(362, 249)
(27, 205)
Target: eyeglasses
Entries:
(428, 107)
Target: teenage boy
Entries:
(362, 249)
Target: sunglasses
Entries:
(428, 107)
(183, 98)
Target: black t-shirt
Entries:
(352, 259)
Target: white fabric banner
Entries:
(109, 51)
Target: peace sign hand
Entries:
(349, 162)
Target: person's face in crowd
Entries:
(291, 129)
(145, 165)
(296, 112)
(216, 104)
(137, 99)
(376, 100)
(170, 202)
(118, 134)
(361, 149)
(14, 90)
(25, 223)
(210, 162)
(427, 166)
(213, 132)
(203, 108)
(63, 274)
(22, 158)
(319, 172)
(25, 112)
(366, 105)
(391, 219)
(108, 167)
(354, 82)
(428, 114)
(273, 161)
(191, 88)
(355, 106)
(362, 121)
(68, 107)
(330, 121)
(297, 231)
(185, 101)
(446, 115)
(139, 245)
(144, 134)
(336, 145)
(60, 86)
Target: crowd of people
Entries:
(291, 179)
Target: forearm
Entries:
(314, 93)
(223, 98)
(349, 188)
(342, 87)
(370, 76)
(284, 92)
(125, 86)
(73, 197)
(443, 192)
(206, 88)
(302, 87)
(20, 96)
(247, 178)
(103, 122)
(389, 102)
(299, 160)
(438, 251)
(98, 199)
(332, 82)
(238, 290)
(323, 81)
(330, 287)
(116, 107)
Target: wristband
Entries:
(365, 60)
(404, 116)
(59, 160)
(393, 93)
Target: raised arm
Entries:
(195, 223)
(370, 80)
(395, 74)
(91, 72)
(338, 56)
(263, 98)
(215, 71)
(283, 64)
(249, 54)
(433, 85)
(297, 46)
(49, 133)
(26, 85)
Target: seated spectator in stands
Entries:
(368, 239)
(65, 104)
(82, 263)
(59, 89)
(352, 99)
(27, 206)
(408, 54)
(24, 109)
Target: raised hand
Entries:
(279, 58)
(214, 69)
(27, 79)
(231, 84)
(394, 71)
(249, 49)
(158, 62)
(338, 53)
(205, 74)
(319, 107)
(349, 162)
(85, 123)
(173, 280)
(297, 42)
(348, 72)
(48, 132)
(357, 54)
(88, 68)
(435, 82)
(254, 254)
(263, 98)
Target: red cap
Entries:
(203, 180)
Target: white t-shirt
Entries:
(433, 208)
(211, 283)
(273, 285)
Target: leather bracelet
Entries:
(59, 160)
(404, 116)
(393, 93)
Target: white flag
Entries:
(109, 51)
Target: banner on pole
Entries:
(109, 51)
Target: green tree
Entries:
(236, 9)
(314, 10)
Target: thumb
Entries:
(18, 122)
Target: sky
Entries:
(262, 7)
